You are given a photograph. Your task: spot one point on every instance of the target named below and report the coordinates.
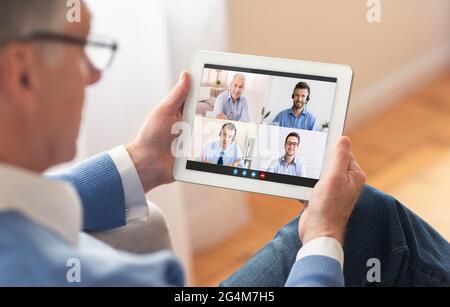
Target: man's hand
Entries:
(151, 149)
(222, 116)
(236, 163)
(333, 198)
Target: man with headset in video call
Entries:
(225, 151)
(297, 117)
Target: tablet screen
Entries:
(262, 124)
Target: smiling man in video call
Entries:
(289, 164)
(231, 105)
(225, 151)
(297, 117)
(44, 71)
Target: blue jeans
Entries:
(411, 253)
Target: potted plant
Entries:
(264, 114)
(216, 89)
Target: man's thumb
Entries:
(178, 94)
(341, 156)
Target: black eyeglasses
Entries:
(288, 143)
(100, 51)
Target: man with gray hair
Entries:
(231, 105)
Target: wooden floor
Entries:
(405, 151)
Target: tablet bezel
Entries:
(342, 73)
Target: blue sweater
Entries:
(31, 255)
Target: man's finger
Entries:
(341, 157)
(355, 171)
(178, 94)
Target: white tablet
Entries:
(260, 124)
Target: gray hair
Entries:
(20, 18)
(240, 76)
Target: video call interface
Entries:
(261, 124)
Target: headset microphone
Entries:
(232, 126)
(303, 85)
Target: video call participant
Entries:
(231, 105)
(288, 164)
(225, 151)
(297, 117)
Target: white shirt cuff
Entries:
(135, 201)
(323, 246)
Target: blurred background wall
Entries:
(408, 46)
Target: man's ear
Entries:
(19, 68)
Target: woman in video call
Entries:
(225, 151)
(297, 117)
(288, 164)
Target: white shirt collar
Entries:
(225, 150)
(51, 204)
(283, 160)
(232, 100)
